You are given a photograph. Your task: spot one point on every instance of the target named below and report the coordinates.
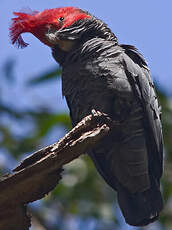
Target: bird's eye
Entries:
(61, 19)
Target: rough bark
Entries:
(39, 173)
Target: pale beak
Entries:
(53, 37)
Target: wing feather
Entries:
(143, 87)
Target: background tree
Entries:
(82, 200)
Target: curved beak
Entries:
(52, 36)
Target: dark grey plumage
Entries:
(99, 74)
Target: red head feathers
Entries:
(39, 23)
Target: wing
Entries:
(128, 163)
(143, 87)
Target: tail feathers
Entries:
(141, 208)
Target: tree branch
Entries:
(39, 173)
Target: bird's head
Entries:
(49, 26)
(59, 26)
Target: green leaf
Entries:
(46, 121)
(11, 111)
(42, 78)
(8, 69)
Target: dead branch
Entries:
(39, 173)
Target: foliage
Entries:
(82, 196)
